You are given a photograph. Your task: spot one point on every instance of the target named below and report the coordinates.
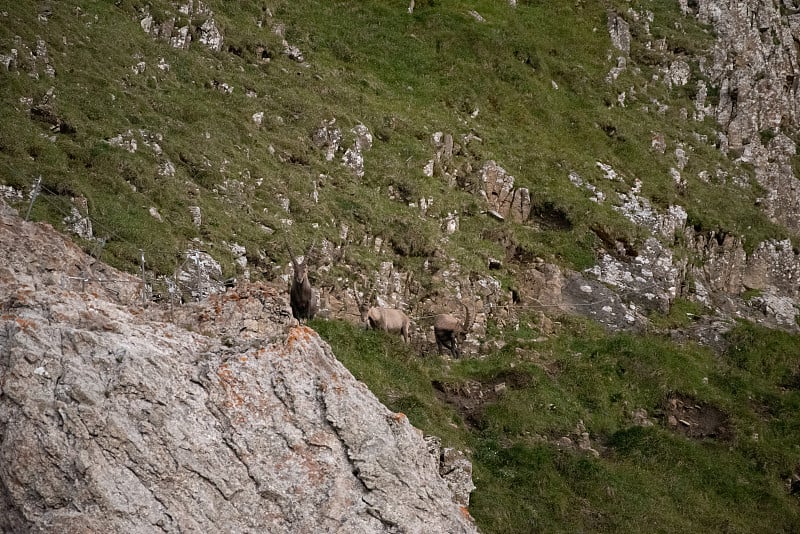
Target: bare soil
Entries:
(694, 419)
(471, 397)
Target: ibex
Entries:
(450, 332)
(387, 319)
(301, 296)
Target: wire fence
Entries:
(192, 283)
(190, 276)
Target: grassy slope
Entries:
(646, 478)
(406, 77)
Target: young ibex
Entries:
(389, 320)
(450, 332)
(301, 296)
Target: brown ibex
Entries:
(450, 332)
(301, 296)
(389, 320)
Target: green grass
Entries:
(450, 67)
(645, 478)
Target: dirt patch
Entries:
(471, 397)
(792, 382)
(551, 217)
(694, 419)
(513, 379)
(617, 246)
(793, 482)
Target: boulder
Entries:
(114, 420)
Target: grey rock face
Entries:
(502, 196)
(620, 32)
(178, 30)
(114, 421)
(755, 64)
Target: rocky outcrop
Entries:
(501, 195)
(754, 63)
(113, 419)
(329, 138)
(193, 20)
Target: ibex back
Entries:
(450, 332)
(387, 319)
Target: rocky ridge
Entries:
(212, 418)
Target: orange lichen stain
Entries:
(465, 513)
(243, 359)
(22, 296)
(25, 324)
(229, 384)
(300, 334)
(339, 391)
(398, 417)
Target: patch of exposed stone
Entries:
(329, 138)
(755, 65)
(501, 196)
(650, 278)
(78, 221)
(206, 418)
(454, 467)
(31, 60)
(194, 20)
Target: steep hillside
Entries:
(607, 186)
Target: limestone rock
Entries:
(200, 275)
(502, 197)
(329, 137)
(353, 157)
(755, 59)
(678, 73)
(620, 32)
(650, 278)
(177, 30)
(782, 309)
(498, 186)
(78, 221)
(115, 421)
(210, 35)
(456, 469)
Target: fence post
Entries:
(97, 251)
(144, 281)
(37, 187)
(199, 276)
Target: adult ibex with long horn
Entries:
(301, 295)
(450, 332)
(389, 320)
